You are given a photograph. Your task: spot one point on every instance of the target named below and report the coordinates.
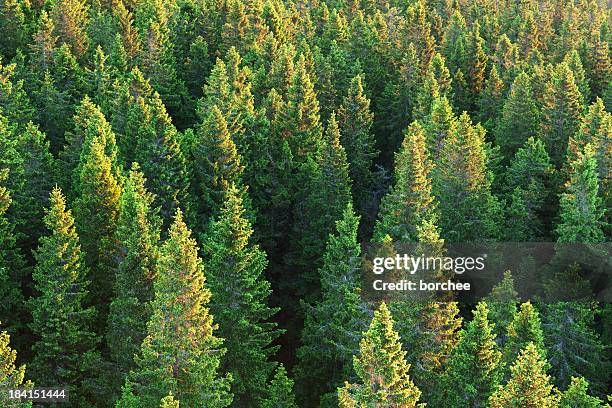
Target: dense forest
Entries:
(187, 188)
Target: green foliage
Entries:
(529, 385)
(11, 376)
(474, 366)
(180, 353)
(524, 328)
(280, 391)
(138, 237)
(235, 272)
(577, 396)
(65, 347)
(381, 369)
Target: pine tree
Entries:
(468, 210)
(519, 117)
(356, 120)
(577, 396)
(574, 348)
(525, 328)
(410, 202)
(64, 351)
(561, 112)
(602, 68)
(382, 369)
(71, 18)
(502, 303)
(572, 59)
(215, 165)
(96, 212)
(439, 126)
(11, 261)
(529, 385)
(89, 124)
(473, 370)
(239, 299)
(159, 153)
(11, 376)
(39, 169)
(530, 179)
(319, 203)
(491, 100)
(301, 122)
(180, 354)
(138, 234)
(280, 391)
(581, 211)
(14, 101)
(13, 25)
(333, 324)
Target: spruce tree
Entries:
(180, 354)
(581, 211)
(502, 303)
(138, 234)
(439, 126)
(410, 202)
(574, 348)
(333, 324)
(159, 153)
(381, 369)
(71, 18)
(577, 396)
(319, 203)
(356, 120)
(529, 385)
(474, 366)
(468, 210)
(64, 350)
(215, 165)
(240, 299)
(519, 118)
(11, 375)
(11, 262)
(525, 328)
(561, 112)
(280, 391)
(531, 178)
(96, 212)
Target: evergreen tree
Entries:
(474, 366)
(280, 391)
(381, 368)
(301, 122)
(239, 299)
(530, 179)
(319, 203)
(138, 236)
(576, 396)
(64, 351)
(180, 354)
(334, 324)
(215, 165)
(11, 375)
(561, 112)
(71, 18)
(574, 348)
(529, 385)
(11, 262)
(410, 202)
(491, 100)
(356, 120)
(502, 303)
(159, 153)
(439, 126)
(581, 211)
(468, 210)
(519, 118)
(525, 328)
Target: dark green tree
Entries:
(180, 354)
(235, 275)
(280, 391)
(65, 346)
(381, 368)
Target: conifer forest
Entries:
(187, 189)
